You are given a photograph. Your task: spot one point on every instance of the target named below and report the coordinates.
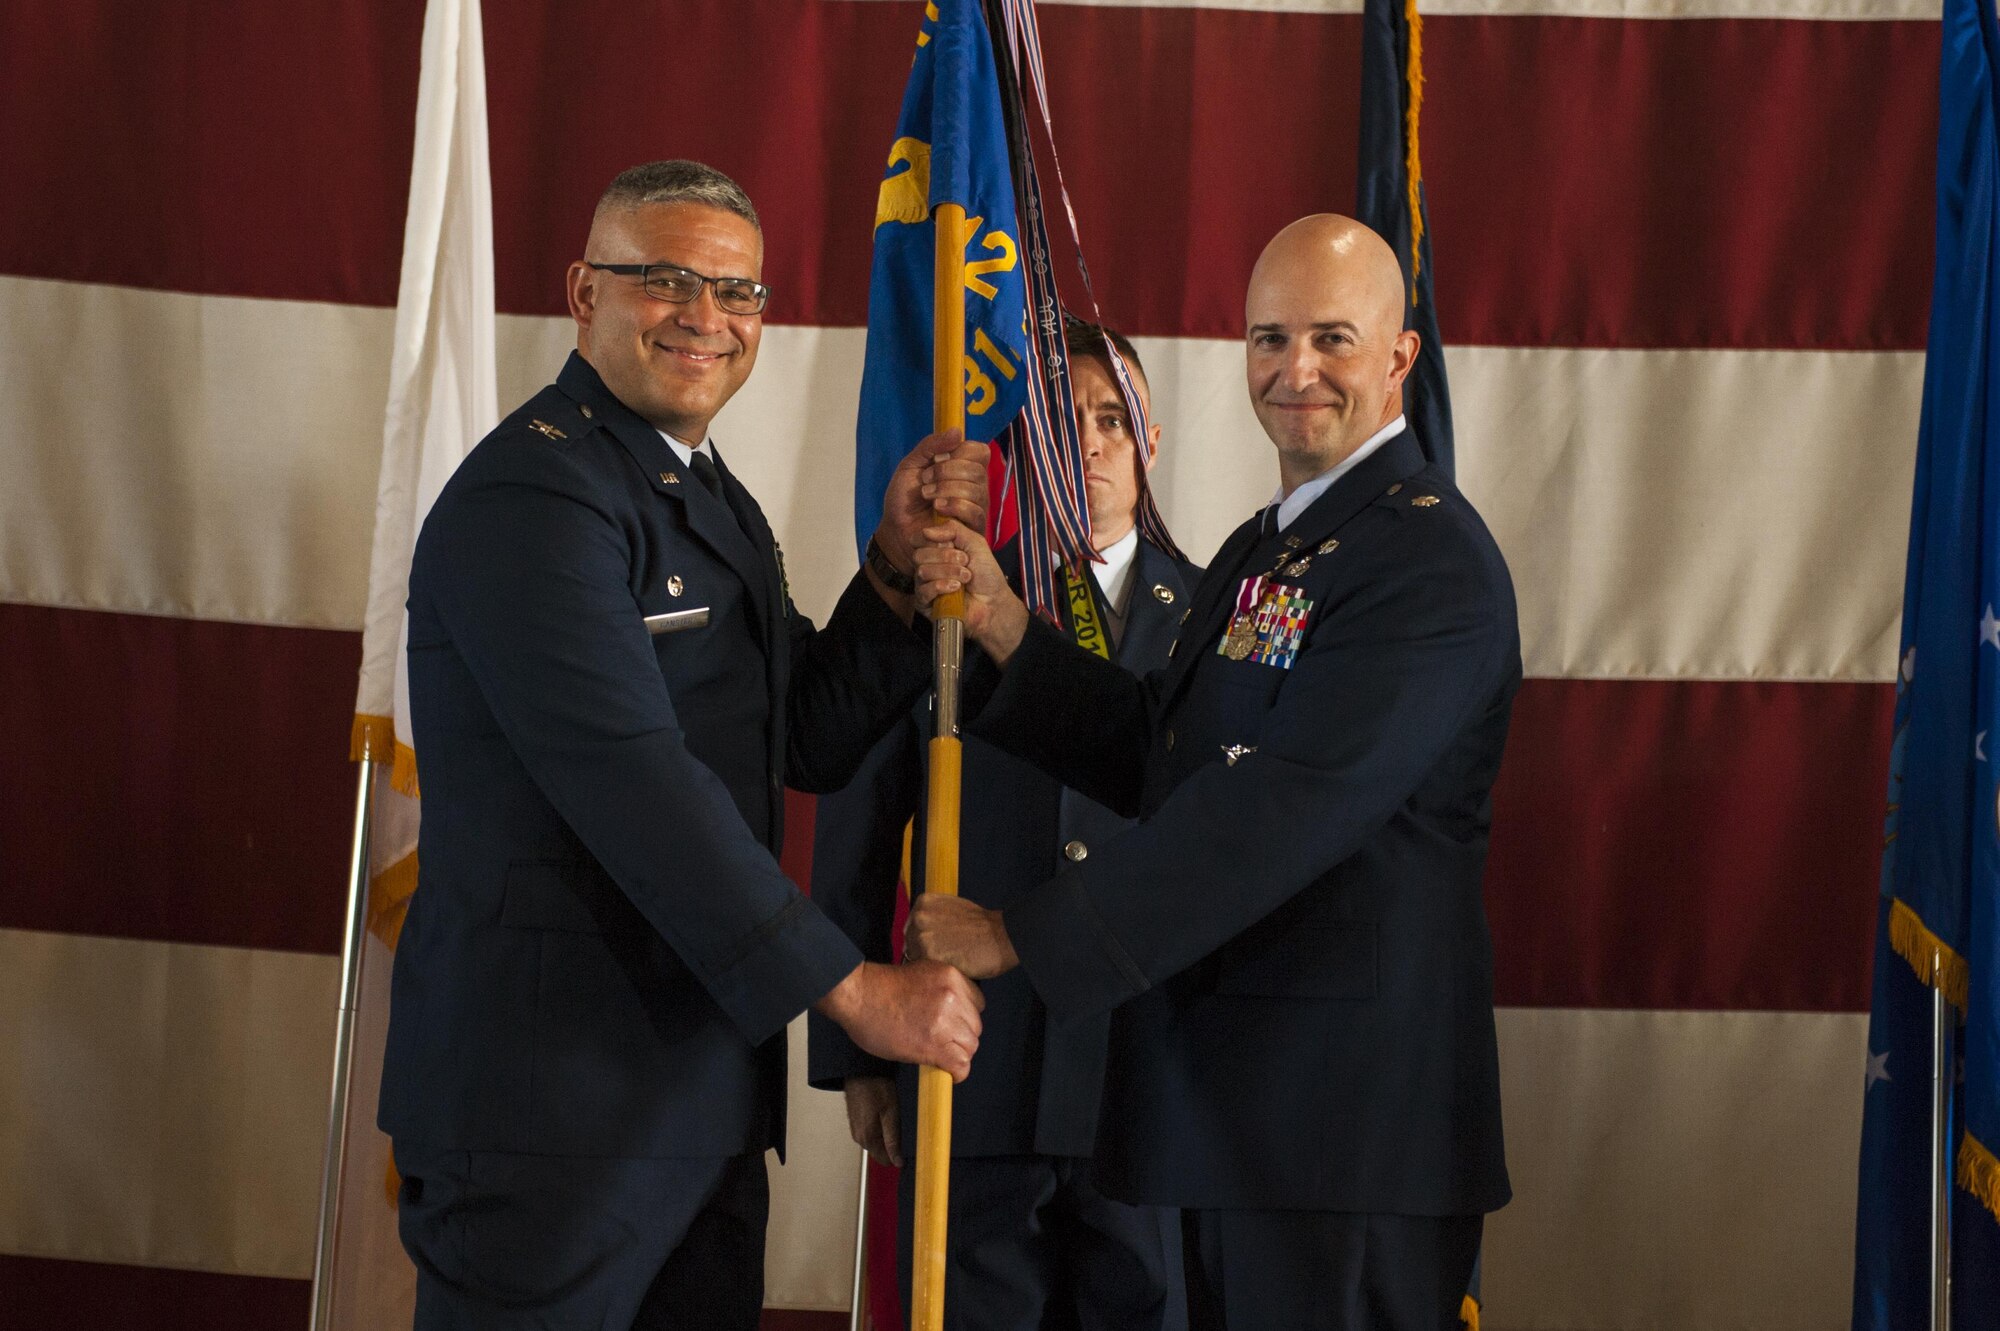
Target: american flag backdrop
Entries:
(1682, 256)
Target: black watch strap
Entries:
(892, 577)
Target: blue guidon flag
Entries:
(1937, 929)
(1389, 196)
(951, 147)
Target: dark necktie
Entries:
(1114, 622)
(704, 470)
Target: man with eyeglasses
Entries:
(611, 687)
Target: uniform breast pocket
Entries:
(1312, 961)
(681, 598)
(677, 621)
(1247, 676)
(1231, 701)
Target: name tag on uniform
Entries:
(673, 621)
(1269, 623)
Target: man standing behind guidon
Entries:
(1304, 1059)
(610, 687)
(1030, 1240)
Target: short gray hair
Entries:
(678, 181)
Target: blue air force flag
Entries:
(951, 147)
(1389, 196)
(1941, 859)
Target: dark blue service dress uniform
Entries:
(586, 1052)
(1303, 1052)
(1031, 1242)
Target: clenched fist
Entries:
(963, 933)
(957, 558)
(943, 477)
(920, 1012)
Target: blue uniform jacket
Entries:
(1295, 930)
(602, 954)
(1034, 1087)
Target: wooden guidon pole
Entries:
(941, 823)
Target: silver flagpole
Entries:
(335, 1156)
(857, 1314)
(1941, 1080)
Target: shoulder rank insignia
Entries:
(1424, 501)
(544, 428)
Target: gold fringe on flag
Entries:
(374, 738)
(1413, 165)
(1979, 1172)
(1468, 1313)
(1935, 964)
(389, 894)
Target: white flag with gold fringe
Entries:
(443, 397)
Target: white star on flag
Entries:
(1878, 1070)
(1979, 746)
(1989, 628)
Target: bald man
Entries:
(1303, 1051)
(610, 688)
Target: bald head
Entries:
(1326, 352)
(1327, 256)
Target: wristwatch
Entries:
(892, 577)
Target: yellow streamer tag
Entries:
(1084, 622)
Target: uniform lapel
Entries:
(1213, 600)
(1394, 462)
(710, 519)
(767, 583)
(1149, 621)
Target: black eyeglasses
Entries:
(737, 295)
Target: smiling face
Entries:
(1110, 450)
(1326, 352)
(676, 365)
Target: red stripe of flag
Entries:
(1658, 844)
(1711, 183)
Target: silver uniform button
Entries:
(1076, 851)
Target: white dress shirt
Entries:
(1114, 575)
(686, 452)
(1301, 499)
